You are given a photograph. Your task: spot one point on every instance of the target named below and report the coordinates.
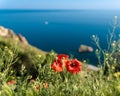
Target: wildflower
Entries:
(113, 44)
(59, 62)
(113, 67)
(6, 47)
(11, 82)
(108, 78)
(39, 56)
(10, 52)
(57, 66)
(117, 74)
(61, 56)
(37, 87)
(73, 66)
(45, 85)
(52, 53)
(84, 61)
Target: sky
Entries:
(59, 4)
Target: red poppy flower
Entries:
(57, 65)
(59, 62)
(61, 56)
(73, 66)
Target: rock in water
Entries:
(85, 48)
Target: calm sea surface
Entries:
(61, 30)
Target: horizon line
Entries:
(57, 9)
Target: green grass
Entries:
(26, 71)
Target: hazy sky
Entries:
(59, 4)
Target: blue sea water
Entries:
(61, 30)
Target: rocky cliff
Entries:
(8, 33)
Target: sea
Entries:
(62, 30)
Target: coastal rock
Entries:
(92, 67)
(85, 48)
(11, 34)
(4, 32)
(22, 39)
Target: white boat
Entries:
(46, 22)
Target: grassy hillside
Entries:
(28, 71)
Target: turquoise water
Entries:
(61, 30)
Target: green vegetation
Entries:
(27, 71)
